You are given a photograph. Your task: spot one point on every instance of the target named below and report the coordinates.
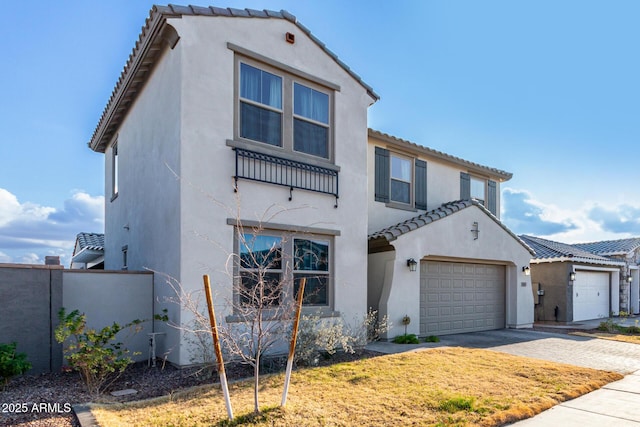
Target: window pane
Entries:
(400, 191)
(315, 289)
(260, 124)
(400, 168)
(261, 252)
(310, 138)
(311, 255)
(310, 103)
(260, 86)
(260, 289)
(477, 189)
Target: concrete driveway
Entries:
(616, 404)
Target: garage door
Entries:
(590, 295)
(461, 297)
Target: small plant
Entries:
(432, 338)
(322, 337)
(406, 339)
(12, 363)
(607, 326)
(456, 404)
(375, 326)
(96, 355)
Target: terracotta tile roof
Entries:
(90, 241)
(550, 251)
(392, 233)
(147, 50)
(503, 175)
(611, 247)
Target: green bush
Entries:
(96, 355)
(406, 339)
(12, 363)
(432, 338)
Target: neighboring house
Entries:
(439, 214)
(628, 251)
(571, 283)
(214, 101)
(88, 252)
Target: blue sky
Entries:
(546, 90)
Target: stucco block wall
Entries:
(554, 280)
(31, 296)
(106, 297)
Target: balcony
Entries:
(293, 174)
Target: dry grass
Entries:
(633, 339)
(439, 387)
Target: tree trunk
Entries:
(256, 378)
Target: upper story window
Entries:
(478, 189)
(260, 105)
(114, 171)
(484, 191)
(400, 181)
(310, 121)
(283, 110)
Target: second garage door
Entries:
(461, 297)
(590, 295)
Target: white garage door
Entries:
(590, 295)
(461, 297)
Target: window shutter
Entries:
(382, 175)
(421, 184)
(465, 186)
(492, 200)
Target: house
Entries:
(229, 124)
(439, 215)
(88, 251)
(574, 282)
(225, 122)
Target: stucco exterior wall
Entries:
(554, 280)
(145, 215)
(450, 239)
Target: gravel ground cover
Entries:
(45, 400)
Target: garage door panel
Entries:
(590, 295)
(461, 297)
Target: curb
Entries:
(84, 415)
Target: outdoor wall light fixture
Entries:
(572, 276)
(630, 279)
(412, 264)
(526, 270)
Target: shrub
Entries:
(432, 338)
(96, 355)
(406, 339)
(12, 363)
(322, 337)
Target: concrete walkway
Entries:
(616, 404)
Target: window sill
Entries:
(322, 312)
(402, 206)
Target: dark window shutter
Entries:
(492, 200)
(465, 186)
(421, 184)
(382, 175)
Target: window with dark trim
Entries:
(483, 190)
(400, 179)
(279, 260)
(114, 171)
(283, 110)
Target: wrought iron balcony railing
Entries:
(276, 170)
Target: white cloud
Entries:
(523, 214)
(29, 232)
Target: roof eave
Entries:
(474, 167)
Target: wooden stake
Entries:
(216, 346)
(292, 346)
